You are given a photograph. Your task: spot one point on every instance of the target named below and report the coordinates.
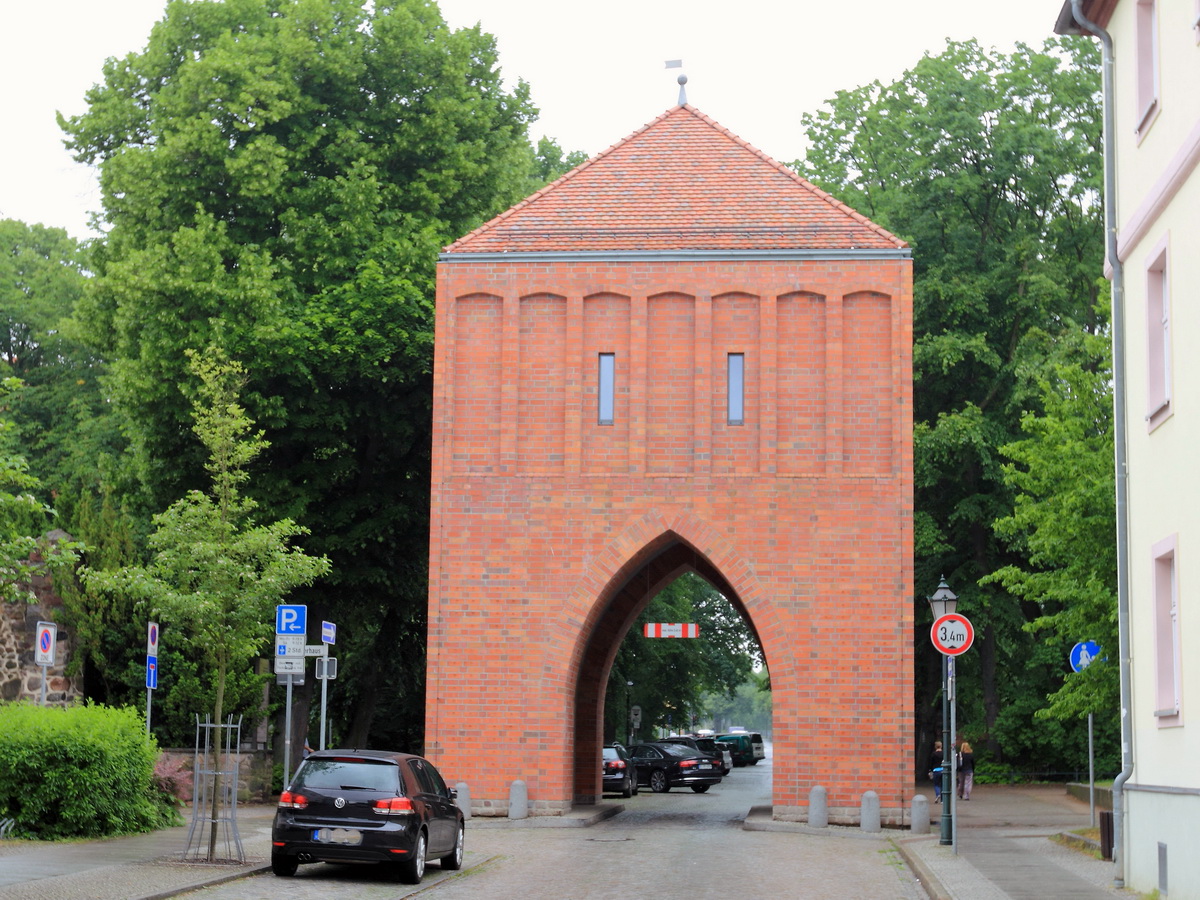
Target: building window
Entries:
(735, 382)
(1166, 634)
(1146, 50)
(1158, 338)
(608, 380)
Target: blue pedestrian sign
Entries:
(1083, 654)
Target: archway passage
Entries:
(679, 356)
(665, 560)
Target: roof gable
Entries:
(685, 183)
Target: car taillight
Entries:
(393, 806)
(688, 763)
(288, 800)
(616, 764)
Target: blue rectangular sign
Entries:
(291, 619)
(152, 672)
(328, 633)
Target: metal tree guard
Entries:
(214, 794)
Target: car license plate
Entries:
(706, 765)
(350, 836)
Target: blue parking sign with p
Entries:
(291, 619)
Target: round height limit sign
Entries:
(952, 634)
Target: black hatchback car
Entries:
(664, 766)
(620, 776)
(367, 806)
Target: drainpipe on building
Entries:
(1119, 436)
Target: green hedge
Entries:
(80, 771)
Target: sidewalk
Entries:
(1004, 851)
(1005, 848)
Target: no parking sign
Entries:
(47, 637)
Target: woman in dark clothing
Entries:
(935, 771)
(966, 771)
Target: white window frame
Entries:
(1158, 337)
(1168, 681)
(1146, 62)
(606, 389)
(735, 384)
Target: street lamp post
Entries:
(944, 602)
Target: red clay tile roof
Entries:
(682, 182)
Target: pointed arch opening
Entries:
(627, 591)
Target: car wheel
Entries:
(283, 865)
(700, 788)
(454, 859)
(413, 870)
(628, 791)
(658, 782)
(636, 786)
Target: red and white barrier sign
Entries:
(671, 630)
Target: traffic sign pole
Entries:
(328, 635)
(151, 667)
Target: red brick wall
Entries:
(550, 532)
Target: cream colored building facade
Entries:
(1156, 102)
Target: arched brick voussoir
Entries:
(630, 553)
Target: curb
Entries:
(924, 874)
(206, 882)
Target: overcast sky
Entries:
(596, 71)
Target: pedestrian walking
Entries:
(935, 771)
(966, 771)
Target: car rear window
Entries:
(681, 751)
(343, 774)
(611, 753)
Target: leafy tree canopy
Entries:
(675, 681)
(277, 178)
(989, 165)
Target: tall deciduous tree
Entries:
(989, 164)
(278, 176)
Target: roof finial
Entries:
(682, 79)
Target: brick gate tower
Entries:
(678, 357)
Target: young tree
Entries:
(216, 575)
(989, 164)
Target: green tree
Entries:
(675, 680)
(989, 164)
(1063, 523)
(277, 178)
(216, 575)
(24, 552)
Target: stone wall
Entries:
(20, 677)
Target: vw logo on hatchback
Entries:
(339, 802)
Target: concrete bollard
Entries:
(818, 807)
(518, 800)
(869, 819)
(920, 814)
(463, 800)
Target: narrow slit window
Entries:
(736, 382)
(608, 376)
